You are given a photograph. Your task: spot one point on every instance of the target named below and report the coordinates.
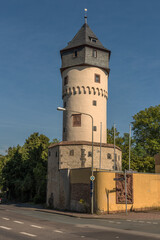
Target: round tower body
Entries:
(85, 90)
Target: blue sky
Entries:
(32, 32)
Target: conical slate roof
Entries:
(85, 36)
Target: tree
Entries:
(146, 127)
(110, 137)
(2, 163)
(25, 171)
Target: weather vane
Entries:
(85, 15)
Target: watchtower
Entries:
(85, 71)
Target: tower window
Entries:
(89, 154)
(92, 39)
(75, 54)
(64, 105)
(76, 120)
(97, 78)
(94, 53)
(109, 156)
(94, 103)
(71, 152)
(64, 129)
(94, 128)
(66, 80)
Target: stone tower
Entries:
(85, 70)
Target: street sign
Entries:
(118, 179)
(92, 178)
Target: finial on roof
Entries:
(85, 15)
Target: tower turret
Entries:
(85, 70)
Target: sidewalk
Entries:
(144, 215)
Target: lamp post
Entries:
(68, 110)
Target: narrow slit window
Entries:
(66, 80)
(75, 54)
(94, 54)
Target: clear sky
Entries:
(32, 32)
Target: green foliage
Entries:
(2, 163)
(146, 127)
(142, 150)
(25, 170)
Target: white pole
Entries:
(100, 144)
(129, 146)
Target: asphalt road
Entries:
(26, 223)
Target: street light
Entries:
(68, 110)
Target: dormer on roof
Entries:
(85, 49)
(85, 36)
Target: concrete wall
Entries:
(60, 161)
(80, 190)
(146, 192)
(58, 185)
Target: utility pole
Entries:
(129, 147)
(114, 150)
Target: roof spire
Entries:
(85, 15)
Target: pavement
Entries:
(145, 215)
(135, 215)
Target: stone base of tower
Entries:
(65, 156)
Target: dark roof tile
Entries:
(85, 36)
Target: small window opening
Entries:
(66, 80)
(89, 154)
(92, 39)
(97, 78)
(95, 128)
(94, 53)
(94, 103)
(56, 154)
(71, 152)
(64, 105)
(75, 54)
(76, 120)
(109, 156)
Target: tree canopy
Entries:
(24, 174)
(145, 142)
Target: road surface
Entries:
(26, 223)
